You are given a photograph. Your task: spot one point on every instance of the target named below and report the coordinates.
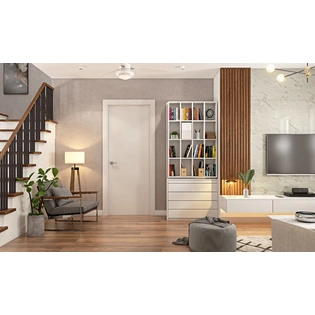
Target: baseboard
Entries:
(160, 212)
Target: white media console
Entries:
(265, 204)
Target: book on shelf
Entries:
(196, 150)
(172, 152)
(173, 113)
(171, 170)
(210, 170)
(214, 151)
(188, 149)
(211, 151)
(199, 150)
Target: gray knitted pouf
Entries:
(212, 238)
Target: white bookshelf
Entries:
(192, 184)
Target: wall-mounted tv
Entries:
(290, 154)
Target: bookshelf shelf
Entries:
(195, 164)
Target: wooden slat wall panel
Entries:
(235, 120)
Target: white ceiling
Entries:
(146, 70)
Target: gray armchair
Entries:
(61, 203)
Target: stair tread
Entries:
(7, 211)
(31, 152)
(3, 228)
(18, 193)
(11, 130)
(43, 141)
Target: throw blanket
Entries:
(206, 220)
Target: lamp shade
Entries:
(74, 157)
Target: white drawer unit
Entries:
(192, 198)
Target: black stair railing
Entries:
(21, 143)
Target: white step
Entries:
(5, 135)
(8, 124)
(2, 116)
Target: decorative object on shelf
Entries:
(281, 77)
(174, 135)
(209, 113)
(197, 132)
(230, 182)
(246, 179)
(74, 158)
(186, 131)
(15, 78)
(210, 135)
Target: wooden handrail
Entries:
(21, 122)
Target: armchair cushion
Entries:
(50, 204)
(60, 192)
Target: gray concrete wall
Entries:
(78, 110)
(15, 105)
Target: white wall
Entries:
(287, 107)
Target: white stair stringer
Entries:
(17, 221)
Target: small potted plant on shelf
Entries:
(246, 179)
(174, 135)
(35, 219)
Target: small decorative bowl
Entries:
(305, 216)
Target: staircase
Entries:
(25, 145)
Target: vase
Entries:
(245, 193)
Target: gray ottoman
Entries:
(212, 238)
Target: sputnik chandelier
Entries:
(281, 77)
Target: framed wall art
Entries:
(15, 78)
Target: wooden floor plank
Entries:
(119, 234)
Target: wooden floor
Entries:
(118, 234)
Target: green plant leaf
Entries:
(55, 171)
(249, 176)
(241, 176)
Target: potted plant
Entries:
(246, 179)
(174, 135)
(35, 219)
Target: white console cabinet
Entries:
(266, 204)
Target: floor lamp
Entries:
(74, 158)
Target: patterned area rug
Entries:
(254, 244)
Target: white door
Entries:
(128, 153)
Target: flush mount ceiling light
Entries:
(281, 77)
(125, 72)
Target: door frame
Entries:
(114, 102)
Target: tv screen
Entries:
(290, 154)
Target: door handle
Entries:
(112, 162)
